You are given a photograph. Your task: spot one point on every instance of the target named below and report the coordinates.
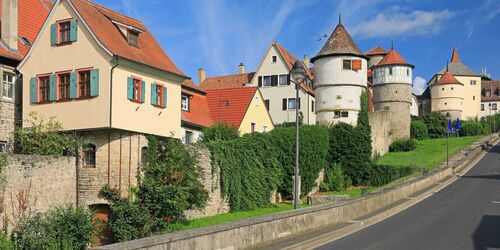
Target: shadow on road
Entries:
(487, 234)
(490, 177)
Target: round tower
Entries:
(392, 91)
(447, 96)
(375, 55)
(340, 77)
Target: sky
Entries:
(218, 35)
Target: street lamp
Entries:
(297, 76)
(450, 126)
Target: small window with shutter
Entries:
(356, 65)
(135, 89)
(63, 32)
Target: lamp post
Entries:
(297, 75)
(448, 117)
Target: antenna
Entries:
(447, 63)
(392, 44)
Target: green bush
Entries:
(60, 228)
(44, 138)
(437, 124)
(418, 130)
(403, 145)
(5, 242)
(384, 174)
(334, 179)
(219, 132)
(472, 128)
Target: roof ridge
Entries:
(211, 77)
(110, 10)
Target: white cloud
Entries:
(419, 85)
(398, 22)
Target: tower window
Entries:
(473, 97)
(408, 72)
(451, 88)
(346, 64)
(390, 71)
(472, 82)
(482, 107)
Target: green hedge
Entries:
(418, 130)
(436, 124)
(384, 174)
(472, 128)
(403, 145)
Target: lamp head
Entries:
(297, 73)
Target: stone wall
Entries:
(380, 126)
(216, 204)
(7, 122)
(45, 181)
(396, 98)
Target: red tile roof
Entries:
(31, 16)
(393, 58)
(199, 113)
(448, 78)
(226, 81)
(454, 56)
(149, 52)
(494, 88)
(290, 59)
(376, 51)
(239, 100)
(339, 43)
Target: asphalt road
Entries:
(463, 215)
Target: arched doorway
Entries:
(102, 213)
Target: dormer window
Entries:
(133, 38)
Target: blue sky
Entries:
(219, 34)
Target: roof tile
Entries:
(339, 43)
(199, 113)
(393, 58)
(239, 100)
(448, 78)
(376, 51)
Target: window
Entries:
(445, 103)
(84, 83)
(25, 40)
(3, 146)
(185, 102)
(346, 64)
(482, 107)
(338, 114)
(264, 128)
(136, 91)
(290, 104)
(157, 95)
(63, 86)
(64, 32)
(356, 65)
(8, 86)
(451, 88)
(390, 71)
(89, 155)
(472, 82)
(283, 80)
(312, 106)
(267, 80)
(133, 38)
(275, 58)
(266, 103)
(252, 127)
(256, 101)
(189, 137)
(442, 88)
(144, 154)
(494, 106)
(473, 97)
(487, 93)
(407, 72)
(44, 83)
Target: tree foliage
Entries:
(418, 130)
(436, 124)
(219, 132)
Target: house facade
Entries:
(20, 22)
(104, 77)
(195, 112)
(490, 97)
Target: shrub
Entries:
(334, 179)
(60, 228)
(419, 130)
(472, 128)
(437, 125)
(44, 138)
(5, 242)
(384, 174)
(219, 132)
(403, 145)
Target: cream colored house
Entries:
(102, 75)
(490, 98)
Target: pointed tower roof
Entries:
(376, 51)
(448, 78)
(456, 67)
(393, 58)
(339, 43)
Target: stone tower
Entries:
(447, 96)
(392, 91)
(340, 77)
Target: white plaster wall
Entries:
(414, 106)
(486, 111)
(328, 70)
(400, 74)
(196, 134)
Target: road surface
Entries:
(463, 215)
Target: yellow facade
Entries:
(447, 98)
(111, 108)
(472, 96)
(258, 115)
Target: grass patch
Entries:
(429, 154)
(223, 218)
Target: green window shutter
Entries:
(164, 97)
(143, 91)
(53, 34)
(94, 82)
(130, 88)
(72, 85)
(53, 88)
(73, 32)
(153, 94)
(34, 89)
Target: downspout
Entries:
(111, 90)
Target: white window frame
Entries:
(6, 83)
(185, 102)
(494, 106)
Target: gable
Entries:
(268, 67)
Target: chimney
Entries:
(306, 61)
(202, 74)
(241, 68)
(9, 23)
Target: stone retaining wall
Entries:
(246, 233)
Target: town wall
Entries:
(380, 126)
(397, 99)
